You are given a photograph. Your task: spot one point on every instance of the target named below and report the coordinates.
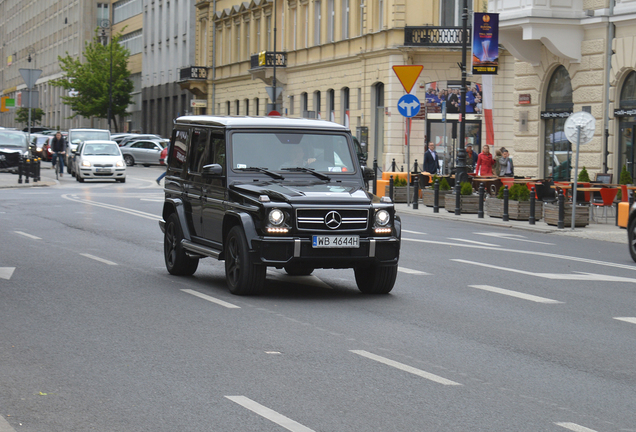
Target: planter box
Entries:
(428, 197)
(517, 210)
(399, 193)
(551, 215)
(468, 203)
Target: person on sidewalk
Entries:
(431, 164)
(162, 161)
(505, 167)
(58, 146)
(485, 163)
(471, 158)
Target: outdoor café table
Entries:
(491, 184)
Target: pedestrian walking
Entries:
(162, 160)
(485, 163)
(431, 161)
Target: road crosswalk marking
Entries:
(406, 368)
(269, 414)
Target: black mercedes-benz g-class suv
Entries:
(274, 192)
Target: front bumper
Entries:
(281, 251)
(112, 173)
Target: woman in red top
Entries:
(485, 162)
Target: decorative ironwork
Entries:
(267, 58)
(434, 36)
(193, 73)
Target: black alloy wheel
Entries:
(177, 261)
(243, 277)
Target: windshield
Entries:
(101, 149)
(13, 139)
(79, 136)
(279, 151)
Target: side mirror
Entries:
(212, 170)
(368, 173)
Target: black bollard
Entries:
(20, 170)
(505, 217)
(375, 176)
(401, 168)
(436, 196)
(27, 170)
(415, 167)
(416, 193)
(560, 223)
(393, 166)
(482, 191)
(391, 188)
(532, 219)
(36, 169)
(458, 198)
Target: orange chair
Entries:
(624, 194)
(507, 181)
(608, 195)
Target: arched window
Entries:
(628, 92)
(558, 107)
(626, 116)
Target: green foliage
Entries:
(626, 177)
(443, 184)
(518, 192)
(91, 79)
(466, 188)
(22, 116)
(584, 176)
(399, 181)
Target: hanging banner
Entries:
(485, 43)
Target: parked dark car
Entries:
(274, 192)
(13, 147)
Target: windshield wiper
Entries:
(321, 176)
(264, 171)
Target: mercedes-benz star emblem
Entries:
(333, 219)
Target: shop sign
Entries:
(199, 103)
(525, 99)
(624, 112)
(553, 114)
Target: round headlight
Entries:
(382, 217)
(276, 217)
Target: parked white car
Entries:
(97, 160)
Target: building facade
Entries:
(168, 48)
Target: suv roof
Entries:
(264, 122)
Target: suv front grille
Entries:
(327, 219)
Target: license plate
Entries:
(335, 241)
(102, 170)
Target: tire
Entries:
(80, 178)
(68, 168)
(121, 180)
(242, 276)
(298, 270)
(130, 161)
(146, 165)
(178, 263)
(376, 279)
(631, 238)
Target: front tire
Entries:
(130, 161)
(79, 178)
(631, 238)
(376, 279)
(178, 263)
(243, 277)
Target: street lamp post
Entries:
(105, 24)
(460, 169)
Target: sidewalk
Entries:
(595, 231)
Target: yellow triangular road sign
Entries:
(407, 75)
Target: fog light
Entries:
(382, 230)
(277, 230)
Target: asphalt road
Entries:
(485, 330)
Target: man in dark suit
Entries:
(431, 164)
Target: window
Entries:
(317, 103)
(295, 34)
(304, 102)
(124, 9)
(381, 14)
(247, 107)
(269, 33)
(227, 108)
(258, 35)
(228, 30)
(557, 149)
(344, 104)
(345, 19)
(133, 41)
(203, 57)
(361, 22)
(102, 13)
(247, 40)
(256, 106)
(198, 150)
(451, 12)
(237, 105)
(317, 22)
(291, 105)
(331, 104)
(238, 41)
(178, 149)
(306, 37)
(331, 20)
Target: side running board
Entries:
(199, 250)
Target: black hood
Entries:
(307, 193)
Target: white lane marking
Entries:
(574, 427)
(516, 237)
(153, 183)
(308, 280)
(269, 414)
(114, 207)
(101, 260)
(5, 426)
(211, 299)
(472, 241)
(411, 271)
(406, 368)
(524, 252)
(413, 232)
(580, 276)
(27, 235)
(152, 200)
(515, 294)
(631, 320)
(6, 272)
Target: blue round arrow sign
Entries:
(408, 105)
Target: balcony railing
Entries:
(193, 73)
(434, 36)
(267, 59)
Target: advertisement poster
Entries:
(485, 44)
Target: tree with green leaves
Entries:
(22, 116)
(90, 80)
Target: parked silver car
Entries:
(145, 152)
